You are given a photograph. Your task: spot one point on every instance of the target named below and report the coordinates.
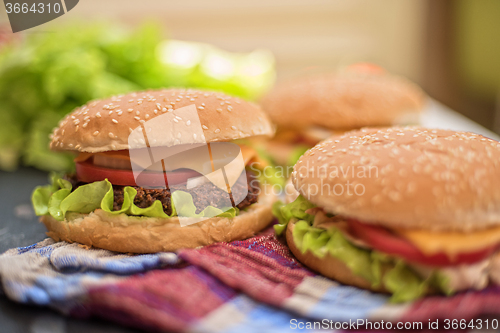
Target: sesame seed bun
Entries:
(105, 125)
(405, 178)
(138, 234)
(344, 100)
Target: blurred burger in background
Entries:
(312, 108)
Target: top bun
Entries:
(405, 178)
(105, 125)
(343, 101)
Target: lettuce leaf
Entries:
(404, 284)
(296, 209)
(57, 199)
(378, 268)
(85, 198)
(40, 199)
(128, 206)
(188, 209)
(42, 195)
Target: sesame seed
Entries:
(164, 110)
(98, 115)
(219, 110)
(110, 112)
(188, 122)
(111, 135)
(119, 112)
(78, 146)
(137, 118)
(229, 108)
(194, 136)
(234, 127)
(201, 108)
(76, 128)
(202, 104)
(96, 133)
(130, 110)
(204, 127)
(217, 130)
(175, 119)
(76, 121)
(137, 112)
(158, 106)
(115, 121)
(178, 117)
(130, 100)
(84, 125)
(155, 111)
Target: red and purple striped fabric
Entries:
(256, 284)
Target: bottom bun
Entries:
(328, 266)
(136, 234)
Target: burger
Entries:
(309, 109)
(116, 201)
(406, 211)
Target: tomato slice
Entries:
(88, 173)
(383, 240)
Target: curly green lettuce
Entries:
(376, 267)
(57, 199)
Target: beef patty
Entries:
(205, 195)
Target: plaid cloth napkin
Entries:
(245, 286)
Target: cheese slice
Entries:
(451, 243)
